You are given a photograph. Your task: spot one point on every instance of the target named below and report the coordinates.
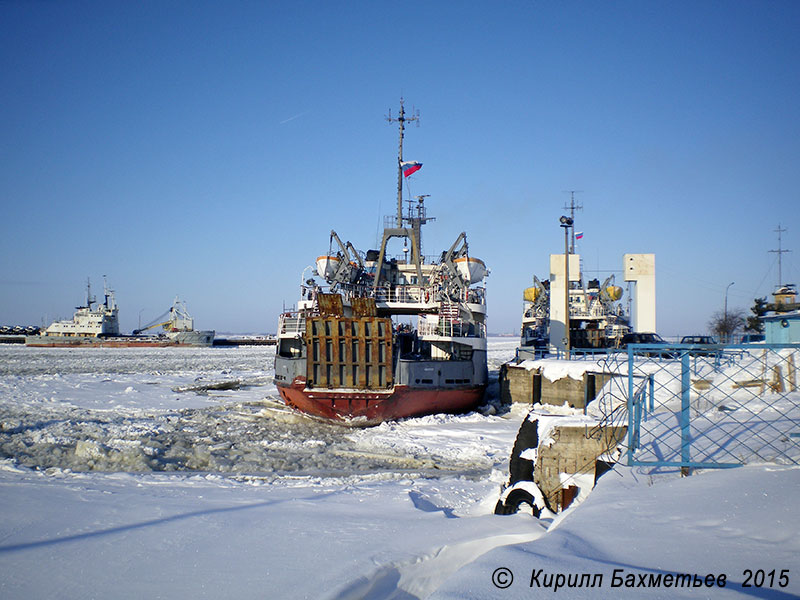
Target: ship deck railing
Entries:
(416, 294)
(397, 294)
(411, 294)
(575, 313)
(402, 259)
(405, 294)
(292, 325)
(452, 328)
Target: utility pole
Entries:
(572, 207)
(779, 252)
(725, 313)
(566, 223)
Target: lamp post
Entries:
(566, 223)
(725, 313)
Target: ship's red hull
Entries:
(378, 406)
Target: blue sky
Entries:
(206, 149)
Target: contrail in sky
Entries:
(292, 118)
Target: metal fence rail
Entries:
(707, 406)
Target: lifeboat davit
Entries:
(530, 294)
(614, 292)
(327, 266)
(471, 269)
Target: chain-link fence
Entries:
(705, 406)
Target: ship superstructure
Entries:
(98, 326)
(380, 337)
(597, 317)
(596, 314)
(88, 320)
(178, 326)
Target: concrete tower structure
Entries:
(641, 268)
(558, 291)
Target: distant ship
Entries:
(98, 326)
(385, 337)
(597, 318)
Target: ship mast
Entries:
(89, 298)
(572, 207)
(402, 120)
(400, 229)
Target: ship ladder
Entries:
(449, 317)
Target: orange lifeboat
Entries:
(471, 269)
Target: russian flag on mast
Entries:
(579, 235)
(409, 168)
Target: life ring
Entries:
(427, 296)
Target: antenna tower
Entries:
(779, 252)
(572, 207)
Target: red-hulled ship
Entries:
(377, 337)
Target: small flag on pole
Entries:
(579, 235)
(409, 168)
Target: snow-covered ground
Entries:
(175, 473)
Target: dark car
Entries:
(646, 338)
(700, 344)
(641, 338)
(698, 339)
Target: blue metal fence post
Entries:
(630, 406)
(651, 389)
(686, 433)
(637, 418)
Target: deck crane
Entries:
(174, 319)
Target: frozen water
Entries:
(201, 409)
(264, 502)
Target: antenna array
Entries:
(780, 251)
